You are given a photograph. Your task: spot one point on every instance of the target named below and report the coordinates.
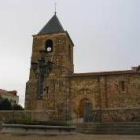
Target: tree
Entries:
(17, 107)
(1, 99)
(5, 105)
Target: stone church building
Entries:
(53, 85)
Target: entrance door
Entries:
(85, 106)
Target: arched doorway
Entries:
(85, 105)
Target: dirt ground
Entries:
(70, 137)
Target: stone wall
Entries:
(27, 116)
(106, 91)
(113, 115)
(126, 95)
(98, 115)
(121, 115)
(59, 88)
(84, 88)
(55, 86)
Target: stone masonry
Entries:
(63, 89)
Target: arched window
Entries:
(49, 45)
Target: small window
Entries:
(47, 90)
(122, 85)
(49, 46)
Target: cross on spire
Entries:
(55, 9)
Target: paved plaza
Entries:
(70, 137)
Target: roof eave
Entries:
(104, 73)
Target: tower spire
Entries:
(55, 9)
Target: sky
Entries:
(106, 34)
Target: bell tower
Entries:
(51, 63)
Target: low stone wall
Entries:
(121, 115)
(27, 115)
(115, 115)
(103, 115)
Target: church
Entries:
(53, 85)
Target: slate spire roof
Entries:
(53, 26)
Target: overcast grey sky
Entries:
(106, 34)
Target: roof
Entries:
(5, 92)
(2, 91)
(104, 73)
(53, 26)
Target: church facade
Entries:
(53, 85)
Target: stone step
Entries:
(106, 127)
(100, 127)
(109, 128)
(112, 132)
(110, 124)
(109, 133)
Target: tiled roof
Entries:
(53, 26)
(12, 93)
(2, 91)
